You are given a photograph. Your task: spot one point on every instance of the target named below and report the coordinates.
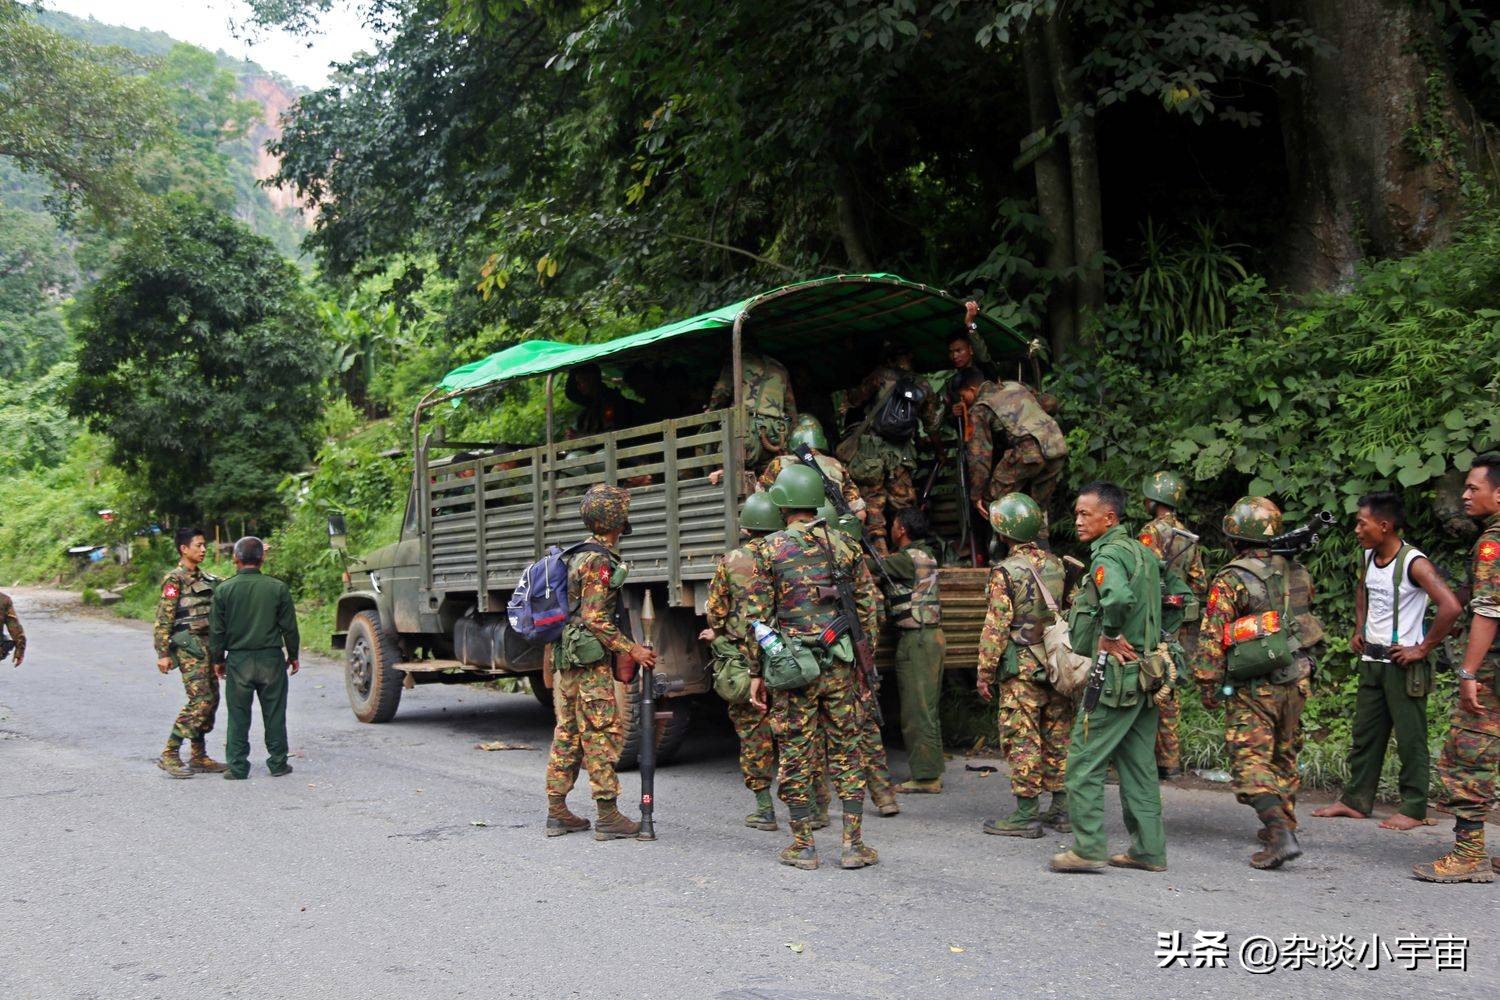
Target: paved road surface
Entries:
(399, 861)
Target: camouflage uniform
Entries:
(737, 596)
(1035, 452)
(1034, 718)
(588, 722)
(181, 633)
(881, 468)
(1263, 717)
(9, 622)
(1180, 554)
(832, 468)
(771, 407)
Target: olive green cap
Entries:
(797, 488)
(1016, 517)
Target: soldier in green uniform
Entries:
(1257, 634)
(10, 623)
(1168, 537)
(770, 404)
(1013, 446)
(736, 597)
(802, 565)
(181, 638)
(809, 432)
(252, 621)
(881, 456)
(912, 605)
(1117, 611)
(588, 731)
(1471, 755)
(1025, 593)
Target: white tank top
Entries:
(1409, 602)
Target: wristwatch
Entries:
(1464, 675)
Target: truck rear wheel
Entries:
(540, 691)
(670, 732)
(370, 677)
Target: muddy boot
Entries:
(1069, 862)
(613, 824)
(932, 786)
(856, 853)
(1056, 815)
(1467, 862)
(560, 819)
(171, 762)
(1024, 822)
(802, 853)
(885, 801)
(1280, 842)
(201, 763)
(764, 817)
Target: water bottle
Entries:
(767, 637)
(1227, 690)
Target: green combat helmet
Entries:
(1017, 517)
(807, 432)
(1164, 487)
(847, 523)
(1253, 519)
(797, 488)
(605, 508)
(760, 513)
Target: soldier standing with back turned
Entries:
(181, 637)
(11, 623)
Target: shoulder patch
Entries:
(1098, 576)
(169, 590)
(1488, 551)
(1145, 538)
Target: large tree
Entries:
(201, 360)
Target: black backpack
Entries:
(896, 418)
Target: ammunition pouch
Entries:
(578, 647)
(837, 641)
(1256, 645)
(731, 670)
(188, 643)
(1419, 679)
(796, 666)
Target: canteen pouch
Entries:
(1156, 669)
(189, 644)
(1256, 645)
(796, 666)
(1419, 679)
(579, 647)
(731, 671)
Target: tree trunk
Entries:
(1083, 169)
(1052, 196)
(1378, 141)
(851, 226)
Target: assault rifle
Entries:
(1302, 538)
(848, 623)
(836, 500)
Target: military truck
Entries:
(430, 608)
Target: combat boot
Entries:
(1467, 862)
(201, 763)
(1056, 815)
(613, 824)
(1069, 862)
(764, 817)
(1281, 842)
(931, 786)
(1024, 822)
(171, 762)
(560, 819)
(802, 853)
(856, 853)
(885, 801)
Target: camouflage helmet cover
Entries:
(1253, 519)
(797, 487)
(810, 434)
(605, 508)
(760, 513)
(1164, 487)
(1017, 517)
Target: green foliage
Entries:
(49, 509)
(200, 357)
(36, 270)
(1180, 294)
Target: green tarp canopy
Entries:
(859, 310)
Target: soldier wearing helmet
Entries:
(1254, 643)
(808, 431)
(770, 404)
(737, 596)
(1169, 538)
(802, 565)
(588, 731)
(1025, 590)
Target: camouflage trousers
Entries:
(1022, 469)
(883, 473)
(872, 750)
(588, 730)
(757, 745)
(1168, 746)
(828, 707)
(1263, 732)
(1035, 721)
(1467, 768)
(197, 717)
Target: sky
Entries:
(207, 23)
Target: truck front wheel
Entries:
(370, 677)
(670, 732)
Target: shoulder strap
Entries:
(1398, 573)
(1046, 594)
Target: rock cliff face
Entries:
(274, 97)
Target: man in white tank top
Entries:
(1397, 582)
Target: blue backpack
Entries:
(539, 608)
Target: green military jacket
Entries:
(252, 611)
(1120, 596)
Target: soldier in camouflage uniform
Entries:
(1168, 537)
(1013, 446)
(802, 565)
(588, 723)
(736, 597)
(1255, 597)
(1471, 755)
(181, 638)
(809, 432)
(10, 622)
(882, 468)
(1034, 717)
(771, 406)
